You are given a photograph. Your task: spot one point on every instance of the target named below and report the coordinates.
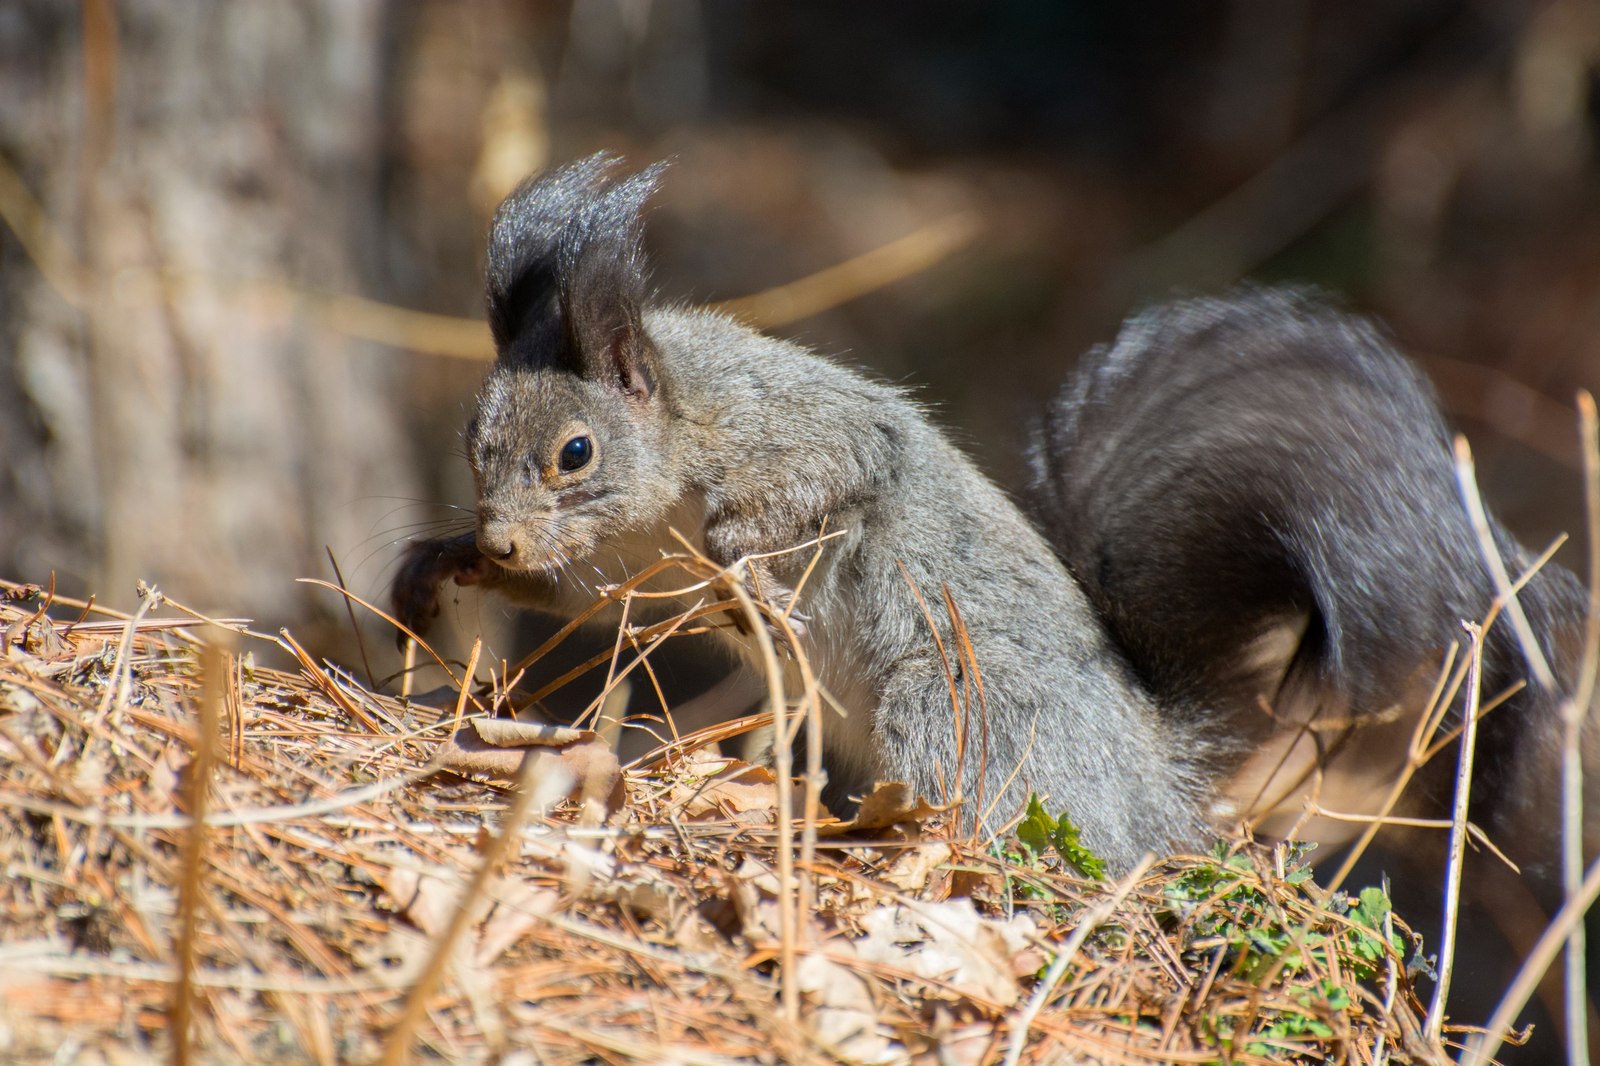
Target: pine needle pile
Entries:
(209, 861)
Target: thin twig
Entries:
(1087, 923)
(1470, 497)
(783, 770)
(387, 617)
(954, 795)
(121, 683)
(1429, 737)
(287, 812)
(853, 278)
(466, 686)
(1574, 713)
(1533, 969)
(321, 677)
(355, 630)
(1458, 833)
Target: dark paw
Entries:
(427, 564)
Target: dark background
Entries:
(192, 193)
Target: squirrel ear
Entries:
(567, 275)
(603, 276)
(524, 243)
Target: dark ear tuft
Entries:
(603, 274)
(567, 274)
(526, 237)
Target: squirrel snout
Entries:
(497, 541)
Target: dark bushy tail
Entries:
(1258, 494)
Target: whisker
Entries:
(384, 540)
(460, 525)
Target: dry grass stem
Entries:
(1458, 833)
(1482, 1051)
(855, 277)
(1575, 710)
(1506, 594)
(214, 672)
(528, 794)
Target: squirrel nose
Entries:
(495, 540)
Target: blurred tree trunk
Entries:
(173, 406)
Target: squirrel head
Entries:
(567, 441)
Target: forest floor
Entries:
(211, 861)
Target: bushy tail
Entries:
(1258, 494)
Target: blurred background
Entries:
(240, 259)
(242, 241)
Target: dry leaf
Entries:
(889, 803)
(983, 885)
(650, 897)
(953, 942)
(495, 747)
(971, 1044)
(429, 899)
(165, 775)
(915, 866)
(506, 733)
(729, 786)
(91, 771)
(426, 898)
(753, 890)
(39, 638)
(518, 907)
(842, 1014)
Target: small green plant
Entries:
(1269, 929)
(1226, 900)
(1040, 834)
(1370, 910)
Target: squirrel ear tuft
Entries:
(603, 275)
(567, 274)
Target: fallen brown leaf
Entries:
(495, 748)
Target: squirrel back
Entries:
(1258, 494)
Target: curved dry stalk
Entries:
(853, 278)
(397, 1046)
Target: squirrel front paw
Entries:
(799, 623)
(414, 595)
(794, 624)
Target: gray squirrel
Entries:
(1240, 501)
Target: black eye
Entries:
(575, 453)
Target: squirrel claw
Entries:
(799, 624)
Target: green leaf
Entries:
(1035, 827)
(1039, 832)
